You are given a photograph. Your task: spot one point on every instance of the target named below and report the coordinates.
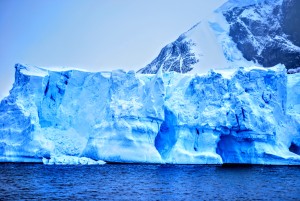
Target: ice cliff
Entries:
(247, 115)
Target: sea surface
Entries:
(148, 182)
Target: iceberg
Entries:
(69, 116)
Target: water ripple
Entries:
(148, 182)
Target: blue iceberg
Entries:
(68, 116)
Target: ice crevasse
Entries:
(67, 116)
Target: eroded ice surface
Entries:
(248, 115)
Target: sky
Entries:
(94, 35)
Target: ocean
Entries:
(148, 182)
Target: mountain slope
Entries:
(239, 33)
(258, 32)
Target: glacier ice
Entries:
(71, 160)
(67, 116)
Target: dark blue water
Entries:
(148, 182)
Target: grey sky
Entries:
(91, 34)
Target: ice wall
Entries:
(228, 116)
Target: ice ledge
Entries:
(42, 71)
(30, 70)
(71, 160)
(225, 72)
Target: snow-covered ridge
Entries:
(224, 116)
(239, 33)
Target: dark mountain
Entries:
(261, 32)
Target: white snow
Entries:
(210, 52)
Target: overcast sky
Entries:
(91, 34)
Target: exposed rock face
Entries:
(239, 33)
(291, 20)
(265, 32)
(177, 56)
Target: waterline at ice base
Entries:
(245, 115)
